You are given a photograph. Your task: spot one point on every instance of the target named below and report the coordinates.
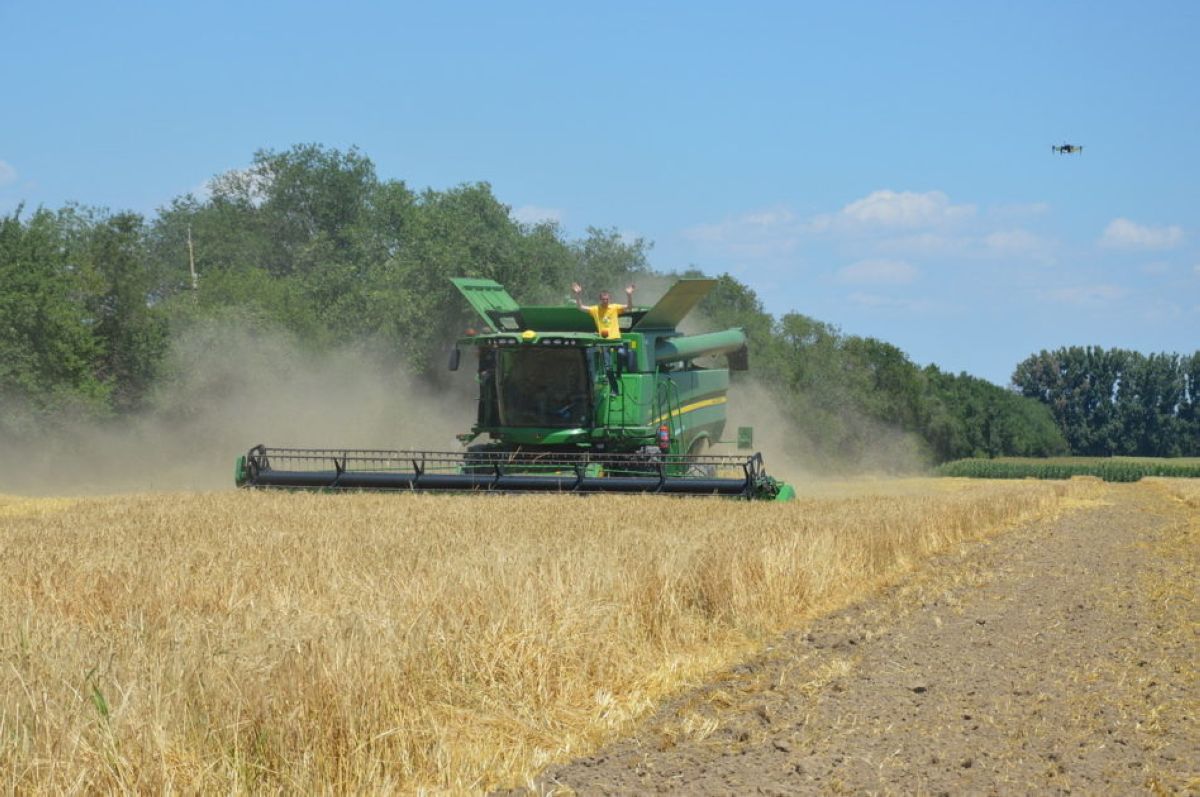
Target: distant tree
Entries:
(888, 383)
(971, 417)
(311, 199)
(1115, 402)
(1149, 397)
(309, 242)
(843, 390)
(605, 260)
(329, 252)
(409, 302)
(48, 344)
(129, 326)
(1189, 408)
(1078, 384)
(730, 304)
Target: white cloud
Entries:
(1018, 210)
(767, 233)
(911, 227)
(1012, 241)
(1162, 311)
(535, 214)
(1084, 295)
(1155, 269)
(877, 301)
(905, 209)
(1019, 243)
(1125, 234)
(894, 210)
(737, 227)
(878, 272)
(777, 232)
(925, 244)
(8, 174)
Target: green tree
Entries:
(971, 417)
(605, 260)
(465, 231)
(311, 201)
(308, 241)
(1189, 409)
(1115, 402)
(1149, 396)
(48, 345)
(888, 385)
(1078, 384)
(126, 320)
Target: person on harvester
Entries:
(605, 313)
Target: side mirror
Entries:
(455, 357)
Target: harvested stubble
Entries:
(359, 642)
(1186, 491)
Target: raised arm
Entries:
(577, 289)
(629, 296)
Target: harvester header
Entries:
(564, 407)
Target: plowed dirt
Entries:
(1060, 657)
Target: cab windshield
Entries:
(543, 387)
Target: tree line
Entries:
(845, 392)
(1115, 402)
(312, 242)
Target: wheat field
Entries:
(236, 641)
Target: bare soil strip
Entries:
(1060, 657)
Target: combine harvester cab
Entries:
(563, 408)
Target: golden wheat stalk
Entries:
(208, 642)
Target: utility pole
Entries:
(192, 261)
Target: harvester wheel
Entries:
(699, 470)
(476, 460)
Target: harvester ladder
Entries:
(666, 407)
(614, 405)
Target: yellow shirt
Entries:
(606, 319)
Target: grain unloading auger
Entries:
(565, 409)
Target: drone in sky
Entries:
(1066, 149)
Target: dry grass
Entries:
(237, 641)
(1187, 491)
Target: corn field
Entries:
(1110, 469)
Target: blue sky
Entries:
(885, 168)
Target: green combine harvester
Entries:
(565, 409)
